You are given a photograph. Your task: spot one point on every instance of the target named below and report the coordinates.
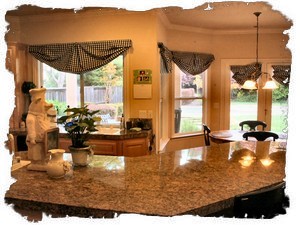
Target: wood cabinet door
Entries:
(135, 147)
(104, 147)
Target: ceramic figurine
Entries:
(37, 123)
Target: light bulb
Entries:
(270, 84)
(250, 84)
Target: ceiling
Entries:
(221, 16)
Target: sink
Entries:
(20, 164)
(108, 130)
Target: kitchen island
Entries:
(198, 181)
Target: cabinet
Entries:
(135, 147)
(104, 147)
(128, 147)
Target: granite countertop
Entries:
(103, 133)
(113, 134)
(198, 181)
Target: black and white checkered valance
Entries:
(241, 73)
(79, 57)
(281, 73)
(192, 63)
(166, 56)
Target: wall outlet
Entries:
(142, 114)
(150, 114)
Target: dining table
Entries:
(223, 136)
(191, 181)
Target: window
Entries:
(100, 89)
(270, 106)
(243, 105)
(188, 102)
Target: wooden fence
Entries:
(94, 94)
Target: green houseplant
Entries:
(79, 123)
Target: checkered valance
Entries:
(281, 73)
(241, 73)
(79, 57)
(192, 63)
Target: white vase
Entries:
(81, 156)
(57, 167)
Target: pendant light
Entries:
(252, 84)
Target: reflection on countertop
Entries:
(198, 181)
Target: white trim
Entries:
(162, 144)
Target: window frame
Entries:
(173, 99)
(263, 103)
(126, 109)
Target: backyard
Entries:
(191, 121)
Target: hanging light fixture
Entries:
(251, 84)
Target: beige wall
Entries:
(145, 29)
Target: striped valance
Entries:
(192, 63)
(79, 57)
(241, 73)
(281, 73)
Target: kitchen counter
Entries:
(197, 181)
(107, 141)
(112, 133)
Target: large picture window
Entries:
(188, 102)
(100, 89)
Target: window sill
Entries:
(187, 135)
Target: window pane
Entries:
(188, 86)
(103, 90)
(243, 105)
(188, 117)
(187, 105)
(280, 109)
(62, 88)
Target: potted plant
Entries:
(79, 123)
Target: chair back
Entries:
(206, 131)
(253, 124)
(267, 202)
(260, 135)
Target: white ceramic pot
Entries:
(57, 167)
(81, 156)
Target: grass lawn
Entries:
(248, 111)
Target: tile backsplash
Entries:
(145, 124)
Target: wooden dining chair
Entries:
(252, 124)
(206, 131)
(260, 135)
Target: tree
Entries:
(53, 78)
(109, 75)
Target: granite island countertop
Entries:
(198, 181)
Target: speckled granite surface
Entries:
(118, 135)
(201, 180)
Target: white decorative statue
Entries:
(37, 123)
